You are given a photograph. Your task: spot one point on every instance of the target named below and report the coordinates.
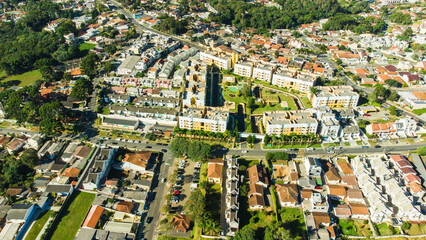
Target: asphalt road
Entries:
(141, 27)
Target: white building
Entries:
(335, 97)
(263, 73)
(286, 122)
(244, 69)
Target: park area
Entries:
(416, 229)
(22, 80)
(72, 216)
(355, 227)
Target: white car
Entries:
(337, 148)
(244, 151)
(118, 139)
(310, 149)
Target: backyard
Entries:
(38, 225)
(72, 216)
(385, 229)
(86, 46)
(24, 79)
(355, 227)
(294, 221)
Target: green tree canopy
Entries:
(82, 88)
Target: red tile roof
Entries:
(93, 216)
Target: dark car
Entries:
(149, 220)
(148, 147)
(159, 144)
(164, 150)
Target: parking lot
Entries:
(187, 179)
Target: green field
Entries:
(38, 225)
(86, 46)
(72, 216)
(25, 79)
(306, 102)
(419, 111)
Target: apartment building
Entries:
(244, 69)
(286, 122)
(297, 82)
(206, 119)
(214, 58)
(335, 97)
(263, 73)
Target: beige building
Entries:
(206, 119)
(286, 122)
(296, 82)
(223, 62)
(335, 97)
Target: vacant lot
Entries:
(38, 225)
(72, 216)
(355, 227)
(25, 79)
(417, 229)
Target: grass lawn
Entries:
(5, 124)
(294, 221)
(86, 46)
(306, 102)
(384, 229)
(38, 225)
(419, 111)
(230, 96)
(417, 229)
(347, 144)
(354, 227)
(72, 216)
(25, 79)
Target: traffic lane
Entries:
(155, 208)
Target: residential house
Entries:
(181, 222)
(257, 175)
(342, 211)
(359, 210)
(138, 161)
(124, 206)
(286, 122)
(322, 219)
(335, 97)
(93, 217)
(288, 194)
(215, 171)
(336, 192)
(15, 145)
(312, 166)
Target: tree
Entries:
(392, 83)
(266, 139)
(421, 151)
(89, 65)
(82, 88)
(30, 158)
(392, 110)
(109, 67)
(67, 26)
(277, 232)
(245, 233)
(51, 127)
(406, 226)
(339, 61)
(314, 90)
(195, 205)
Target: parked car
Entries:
(244, 151)
(310, 149)
(367, 115)
(149, 220)
(337, 148)
(163, 180)
(364, 146)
